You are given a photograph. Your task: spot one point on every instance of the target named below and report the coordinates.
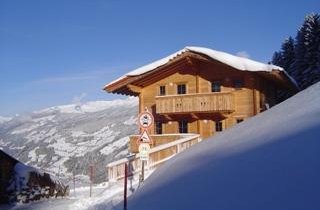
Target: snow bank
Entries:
(271, 161)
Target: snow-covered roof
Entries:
(237, 62)
(240, 63)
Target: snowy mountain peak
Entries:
(91, 106)
(4, 119)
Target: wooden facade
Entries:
(196, 94)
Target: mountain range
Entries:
(66, 140)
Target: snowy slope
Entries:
(271, 161)
(68, 138)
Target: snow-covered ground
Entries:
(104, 197)
(271, 161)
(101, 194)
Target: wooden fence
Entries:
(157, 156)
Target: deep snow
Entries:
(271, 161)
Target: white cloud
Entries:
(65, 79)
(243, 54)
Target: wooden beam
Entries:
(194, 116)
(134, 88)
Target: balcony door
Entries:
(183, 126)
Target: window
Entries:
(238, 84)
(181, 89)
(158, 127)
(162, 90)
(183, 126)
(239, 120)
(219, 126)
(216, 86)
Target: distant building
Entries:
(7, 164)
(200, 90)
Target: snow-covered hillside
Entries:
(271, 161)
(67, 139)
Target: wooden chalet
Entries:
(203, 91)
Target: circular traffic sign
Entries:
(145, 119)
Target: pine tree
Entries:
(313, 51)
(276, 58)
(285, 58)
(287, 55)
(305, 68)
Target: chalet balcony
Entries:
(199, 102)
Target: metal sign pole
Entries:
(142, 171)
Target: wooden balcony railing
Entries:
(157, 139)
(157, 156)
(199, 102)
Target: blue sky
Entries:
(54, 51)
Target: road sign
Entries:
(145, 119)
(144, 149)
(144, 138)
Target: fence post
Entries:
(178, 148)
(125, 186)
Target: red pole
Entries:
(125, 187)
(91, 174)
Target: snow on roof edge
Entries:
(240, 63)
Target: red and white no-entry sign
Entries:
(145, 120)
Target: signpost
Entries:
(145, 121)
